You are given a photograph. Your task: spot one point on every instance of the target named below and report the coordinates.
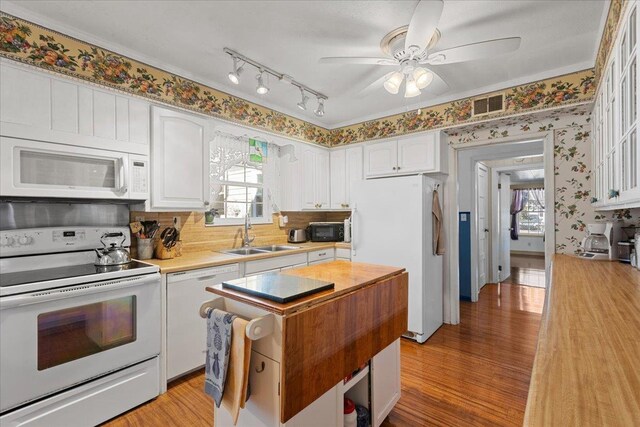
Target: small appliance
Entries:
(598, 244)
(626, 246)
(326, 231)
(297, 235)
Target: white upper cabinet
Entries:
(615, 154)
(346, 172)
(315, 174)
(423, 153)
(179, 161)
(35, 105)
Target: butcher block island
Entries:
(325, 346)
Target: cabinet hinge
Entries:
(499, 186)
(499, 268)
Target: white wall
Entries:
(528, 244)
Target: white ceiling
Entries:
(521, 176)
(187, 37)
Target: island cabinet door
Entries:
(385, 382)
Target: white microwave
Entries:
(43, 169)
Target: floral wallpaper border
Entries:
(616, 9)
(29, 43)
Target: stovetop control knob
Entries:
(25, 240)
(6, 241)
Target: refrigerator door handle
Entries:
(354, 230)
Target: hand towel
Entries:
(219, 329)
(438, 236)
(235, 392)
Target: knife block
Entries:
(168, 253)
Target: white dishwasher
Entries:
(186, 330)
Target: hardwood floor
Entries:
(476, 373)
(527, 270)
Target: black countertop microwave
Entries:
(325, 231)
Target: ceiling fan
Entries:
(410, 48)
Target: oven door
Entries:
(42, 169)
(51, 340)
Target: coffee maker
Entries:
(598, 244)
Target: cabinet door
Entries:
(417, 154)
(380, 158)
(291, 186)
(309, 179)
(322, 179)
(179, 165)
(186, 330)
(338, 179)
(385, 382)
(353, 172)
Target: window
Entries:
(531, 220)
(239, 173)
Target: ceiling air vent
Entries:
(487, 105)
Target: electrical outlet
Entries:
(177, 222)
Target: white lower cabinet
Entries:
(186, 330)
(385, 382)
(273, 264)
(322, 255)
(343, 254)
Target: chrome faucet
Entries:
(246, 240)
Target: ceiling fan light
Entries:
(392, 84)
(422, 77)
(411, 88)
(320, 110)
(262, 89)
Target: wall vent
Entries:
(488, 105)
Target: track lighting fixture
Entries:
(320, 110)
(234, 76)
(303, 103)
(262, 89)
(239, 63)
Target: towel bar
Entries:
(257, 328)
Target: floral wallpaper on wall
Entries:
(32, 44)
(572, 164)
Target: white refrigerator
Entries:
(392, 225)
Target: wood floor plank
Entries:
(473, 374)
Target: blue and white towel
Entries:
(219, 326)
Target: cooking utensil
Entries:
(115, 254)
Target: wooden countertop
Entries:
(203, 259)
(587, 366)
(347, 277)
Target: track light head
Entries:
(234, 76)
(262, 89)
(303, 103)
(320, 110)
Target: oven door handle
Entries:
(78, 290)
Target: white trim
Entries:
(549, 203)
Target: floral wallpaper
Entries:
(559, 91)
(572, 164)
(32, 44)
(616, 9)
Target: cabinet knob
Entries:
(398, 168)
(394, 168)
(206, 203)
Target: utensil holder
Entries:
(145, 248)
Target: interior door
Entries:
(482, 206)
(504, 221)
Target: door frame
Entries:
(495, 219)
(452, 279)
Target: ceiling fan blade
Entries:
(438, 86)
(471, 52)
(357, 60)
(423, 24)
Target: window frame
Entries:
(526, 233)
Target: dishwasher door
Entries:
(186, 330)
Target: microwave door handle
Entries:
(122, 175)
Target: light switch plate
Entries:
(177, 223)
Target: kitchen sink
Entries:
(259, 250)
(244, 251)
(276, 248)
